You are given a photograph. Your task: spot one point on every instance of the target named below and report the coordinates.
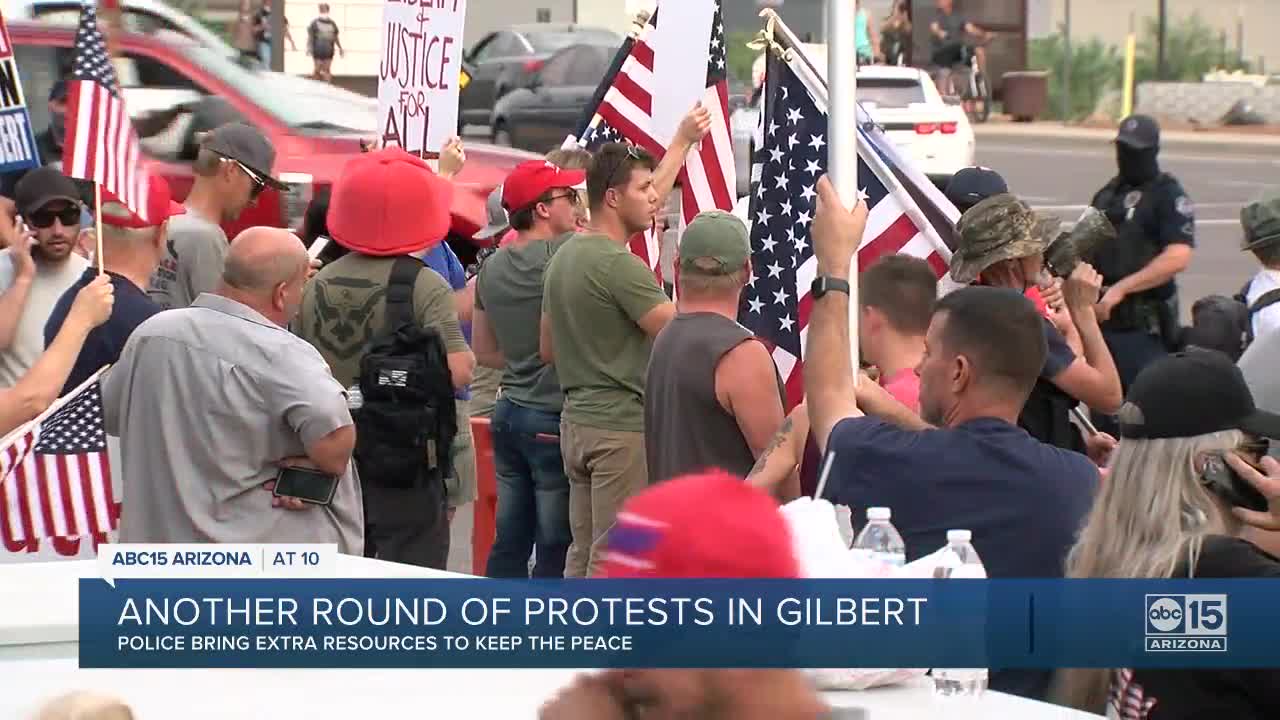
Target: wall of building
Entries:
(1110, 20)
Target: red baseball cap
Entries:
(389, 202)
(160, 207)
(708, 525)
(532, 178)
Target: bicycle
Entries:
(975, 93)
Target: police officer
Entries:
(1155, 226)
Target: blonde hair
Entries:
(85, 705)
(1149, 521)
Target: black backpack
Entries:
(1226, 323)
(406, 425)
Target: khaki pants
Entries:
(605, 468)
(462, 484)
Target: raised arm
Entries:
(692, 129)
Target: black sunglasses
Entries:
(632, 153)
(258, 183)
(571, 194)
(68, 216)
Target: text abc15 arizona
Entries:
(1186, 623)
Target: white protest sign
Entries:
(419, 73)
(681, 44)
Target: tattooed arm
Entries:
(777, 470)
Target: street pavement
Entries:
(1061, 175)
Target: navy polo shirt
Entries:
(104, 344)
(1025, 501)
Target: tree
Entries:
(1192, 48)
(1095, 69)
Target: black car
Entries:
(539, 115)
(505, 60)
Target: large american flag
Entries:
(776, 304)
(625, 114)
(101, 144)
(55, 475)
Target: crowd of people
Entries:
(233, 360)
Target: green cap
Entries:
(1261, 222)
(715, 235)
(1002, 227)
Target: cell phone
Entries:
(317, 246)
(305, 484)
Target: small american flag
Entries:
(55, 475)
(776, 303)
(101, 144)
(625, 114)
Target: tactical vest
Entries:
(1133, 213)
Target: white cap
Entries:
(879, 513)
(954, 536)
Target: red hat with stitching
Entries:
(387, 203)
(160, 207)
(708, 525)
(533, 178)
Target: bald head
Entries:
(261, 258)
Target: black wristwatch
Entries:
(824, 284)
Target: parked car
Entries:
(505, 60)
(904, 101)
(314, 133)
(540, 114)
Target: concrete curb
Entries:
(1179, 137)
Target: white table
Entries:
(39, 647)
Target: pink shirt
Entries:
(904, 387)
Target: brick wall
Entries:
(1206, 102)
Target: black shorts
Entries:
(949, 56)
(323, 57)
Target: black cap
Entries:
(1193, 393)
(1139, 132)
(246, 145)
(41, 187)
(971, 185)
(58, 92)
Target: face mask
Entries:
(1137, 167)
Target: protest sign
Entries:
(17, 141)
(418, 75)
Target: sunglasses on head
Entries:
(68, 216)
(632, 153)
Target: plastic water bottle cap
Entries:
(959, 536)
(879, 513)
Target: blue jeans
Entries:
(533, 493)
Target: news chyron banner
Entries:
(17, 141)
(230, 606)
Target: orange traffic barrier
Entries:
(485, 526)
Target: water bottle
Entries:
(879, 539)
(355, 398)
(962, 563)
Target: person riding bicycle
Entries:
(949, 33)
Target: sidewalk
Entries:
(1253, 137)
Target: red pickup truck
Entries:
(315, 128)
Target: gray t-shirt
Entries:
(48, 285)
(206, 400)
(1259, 364)
(192, 262)
(509, 291)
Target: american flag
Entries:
(625, 113)
(793, 156)
(101, 144)
(55, 475)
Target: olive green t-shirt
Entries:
(509, 291)
(344, 309)
(596, 292)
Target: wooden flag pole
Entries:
(97, 221)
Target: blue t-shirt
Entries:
(1023, 500)
(1059, 355)
(442, 259)
(104, 343)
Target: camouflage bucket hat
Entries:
(1002, 227)
(1261, 222)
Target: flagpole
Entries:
(97, 221)
(842, 133)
